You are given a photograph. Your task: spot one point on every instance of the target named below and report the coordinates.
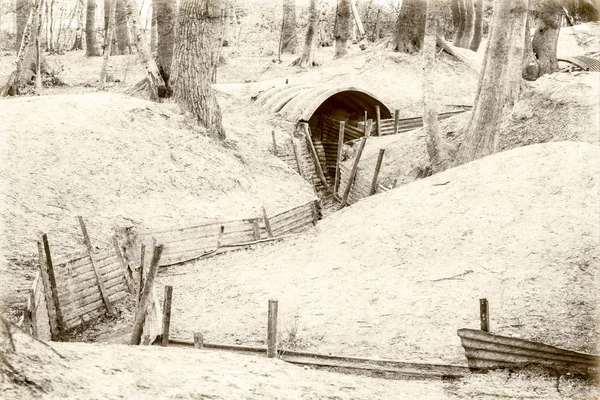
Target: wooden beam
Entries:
(60, 322)
(396, 121)
(141, 277)
(126, 270)
(267, 222)
(336, 183)
(484, 315)
(166, 322)
(50, 308)
(140, 315)
(376, 174)
(99, 278)
(314, 154)
(274, 142)
(272, 330)
(355, 165)
(378, 119)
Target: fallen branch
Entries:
(448, 49)
(449, 278)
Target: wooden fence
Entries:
(188, 243)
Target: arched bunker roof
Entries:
(299, 103)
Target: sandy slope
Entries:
(395, 275)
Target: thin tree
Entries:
(469, 24)
(166, 18)
(78, 42)
(122, 39)
(342, 27)
(459, 15)
(307, 59)
(91, 39)
(499, 82)
(195, 46)
(108, 43)
(410, 26)
(439, 151)
(289, 38)
(477, 26)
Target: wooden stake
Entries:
(33, 314)
(297, 158)
(315, 156)
(141, 278)
(267, 222)
(274, 142)
(166, 322)
(256, 223)
(198, 340)
(339, 157)
(376, 174)
(54, 332)
(378, 119)
(355, 165)
(140, 315)
(396, 121)
(60, 322)
(484, 314)
(220, 235)
(313, 209)
(125, 267)
(272, 330)
(99, 278)
(395, 183)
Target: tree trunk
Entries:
(439, 151)
(121, 28)
(22, 9)
(157, 85)
(195, 45)
(478, 26)
(460, 11)
(91, 38)
(154, 33)
(78, 42)
(310, 42)
(545, 38)
(499, 82)
(342, 28)
(531, 69)
(410, 26)
(108, 42)
(289, 38)
(166, 18)
(27, 69)
(469, 19)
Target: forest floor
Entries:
(393, 276)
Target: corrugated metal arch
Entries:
(299, 102)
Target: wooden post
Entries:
(339, 157)
(50, 308)
(378, 119)
(274, 142)
(376, 174)
(395, 183)
(166, 322)
(267, 222)
(141, 278)
(99, 278)
(396, 121)
(140, 315)
(484, 314)
(355, 165)
(198, 340)
(220, 235)
(33, 313)
(313, 209)
(297, 158)
(126, 269)
(60, 322)
(315, 156)
(256, 223)
(272, 330)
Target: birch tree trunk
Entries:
(342, 28)
(108, 42)
(440, 152)
(91, 37)
(410, 26)
(194, 51)
(289, 37)
(310, 42)
(499, 82)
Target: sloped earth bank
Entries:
(87, 371)
(395, 275)
(121, 161)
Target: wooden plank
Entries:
(75, 318)
(315, 156)
(99, 279)
(92, 295)
(396, 120)
(207, 225)
(267, 222)
(484, 315)
(76, 291)
(355, 165)
(274, 142)
(272, 329)
(53, 290)
(284, 228)
(256, 229)
(376, 174)
(378, 120)
(306, 209)
(166, 321)
(207, 231)
(50, 307)
(140, 315)
(127, 273)
(339, 157)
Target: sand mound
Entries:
(117, 160)
(397, 274)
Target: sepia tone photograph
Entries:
(299, 199)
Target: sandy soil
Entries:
(395, 275)
(77, 370)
